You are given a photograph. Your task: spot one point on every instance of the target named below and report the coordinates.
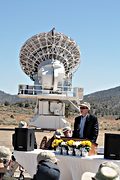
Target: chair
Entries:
(43, 143)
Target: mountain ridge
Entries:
(105, 102)
(106, 92)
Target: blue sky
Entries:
(93, 24)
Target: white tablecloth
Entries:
(71, 167)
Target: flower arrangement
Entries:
(72, 147)
(85, 144)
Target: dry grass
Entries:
(13, 114)
(10, 116)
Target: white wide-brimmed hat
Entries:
(47, 155)
(58, 134)
(107, 171)
(85, 104)
(67, 128)
(22, 124)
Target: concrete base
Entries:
(48, 122)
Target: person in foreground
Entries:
(86, 125)
(5, 159)
(47, 168)
(106, 171)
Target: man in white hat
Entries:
(107, 171)
(86, 125)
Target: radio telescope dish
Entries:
(49, 46)
(50, 59)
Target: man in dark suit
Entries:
(86, 125)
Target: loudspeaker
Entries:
(24, 139)
(112, 146)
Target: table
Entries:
(71, 167)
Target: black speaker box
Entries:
(112, 146)
(24, 139)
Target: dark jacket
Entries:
(47, 170)
(91, 128)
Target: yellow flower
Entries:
(83, 143)
(88, 143)
(56, 142)
(70, 142)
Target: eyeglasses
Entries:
(82, 107)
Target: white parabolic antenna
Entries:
(50, 59)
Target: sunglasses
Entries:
(82, 107)
(5, 161)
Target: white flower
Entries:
(77, 143)
(63, 143)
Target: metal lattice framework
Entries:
(49, 46)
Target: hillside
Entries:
(9, 98)
(12, 99)
(104, 104)
(13, 109)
